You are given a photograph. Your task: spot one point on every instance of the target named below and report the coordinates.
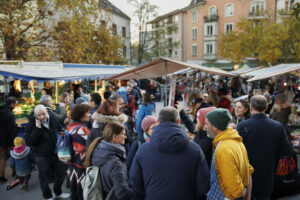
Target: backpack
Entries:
(91, 185)
(64, 147)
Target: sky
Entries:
(164, 6)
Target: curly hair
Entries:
(78, 111)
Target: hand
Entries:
(38, 123)
(178, 106)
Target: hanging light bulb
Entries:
(285, 84)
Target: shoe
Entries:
(61, 196)
(24, 185)
(3, 179)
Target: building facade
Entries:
(119, 23)
(169, 31)
(208, 20)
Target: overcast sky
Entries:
(164, 6)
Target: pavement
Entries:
(34, 191)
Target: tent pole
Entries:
(96, 83)
(166, 84)
(56, 91)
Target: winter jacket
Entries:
(42, 140)
(200, 138)
(282, 116)
(79, 138)
(143, 112)
(169, 166)
(60, 115)
(100, 121)
(8, 126)
(111, 160)
(263, 138)
(22, 160)
(133, 149)
(231, 163)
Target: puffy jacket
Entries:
(231, 163)
(8, 126)
(113, 172)
(21, 159)
(100, 121)
(42, 140)
(169, 166)
(143, 112)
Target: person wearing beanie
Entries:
(230, 173)
(22, 161)
(201, 137)
(148, 125)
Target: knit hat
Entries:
(147, 122)
(18, 141)
(219, 118)
(202, 112)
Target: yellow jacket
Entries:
(231, 163)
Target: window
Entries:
(194, 33)
(176, 18)
(194, 49)
(209, 30)
(212, 11)
(257, 6)
(209, 49)
(229, 9)
(124, 32)
(175, 53)
(194, 16)
(228, 27)
(114, 29)
(124, 51)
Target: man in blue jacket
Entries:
(265, 140)
(169, 166)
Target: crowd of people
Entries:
(234, 152)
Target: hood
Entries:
(109, 118)
(228, 134)
(106, 151)
(20, 152)
(169, 137)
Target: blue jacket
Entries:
(265, 141)
(22, 161)
(133, 149)
(169, 166)
(143, 112)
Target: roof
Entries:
(274, 71)
(112, 8)
(165, 16)
(51, 71)
(163, 66)
(194, 2)
(246, 69)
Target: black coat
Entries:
(113, 172)
(264, 140)
(200, 137)
(8, 126)
(133, 149)
(42, 140)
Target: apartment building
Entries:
(169, 31)
(208, 20)
(119, 23)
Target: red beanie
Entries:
(202, 113)
(147, 122)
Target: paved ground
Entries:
(34, 192)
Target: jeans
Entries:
(50, 169)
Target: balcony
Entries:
(257, 15)
(210, 57)
(211, 18)
(210, 37)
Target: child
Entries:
(22, 160)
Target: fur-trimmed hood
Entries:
(109, 118)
